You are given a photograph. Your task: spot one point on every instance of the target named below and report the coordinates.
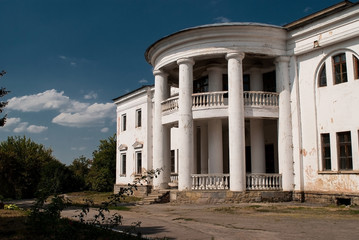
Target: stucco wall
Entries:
(134, 134)
(329, 109)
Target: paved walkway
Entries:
(236, 221)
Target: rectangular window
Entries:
(340, 68)
(138, 118)
(356, 67)
(326, 159)
(138, 162)
(344, 151)
(173, 161)
(123, 165)
(124, 123)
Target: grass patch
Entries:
(226, 209)
(120, 208)
(79, 198)
(291, 210)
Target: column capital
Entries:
(281, 59)
(160, 73)
(235, 55)
(185, 61)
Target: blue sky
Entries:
(67, 59)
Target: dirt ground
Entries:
(242, 221)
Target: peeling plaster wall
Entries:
(329, 109)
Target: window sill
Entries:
(339, 172)
(122, 175)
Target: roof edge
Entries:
(229, 24)
(132, 92)
(319, 14)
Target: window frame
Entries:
(325, 145)
(123, 122)
(347, 157)
(356, 67)
(343, 70)
(123, 159)
(138, 160)
(138, 118)
(322, 75)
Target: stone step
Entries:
(153, 197)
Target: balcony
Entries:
(215, 104)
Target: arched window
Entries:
(322, 77)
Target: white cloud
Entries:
(70, 60)
(221, 20)
(24, 127)
(78, 148)
(72, 113)
(143, 81)
(307, 9)
(48, 100)
(36, 129)
(91, 95)
(94, 115)
(12, 121)
(105, 130)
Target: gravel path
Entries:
(238, 221)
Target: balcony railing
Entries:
(209, 99)
(255, 98)
(210, 181)
(264, 181)
(220, 99)
(221, 181)
(170, 104)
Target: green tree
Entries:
(21, 162)
(56, 178)
(3, 92)
(80, 168)
(102, 174)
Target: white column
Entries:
(185, 123)
(215, 145)
(285, 148)
(236, 128)
(215, 79)
(160, 133)
(258, 164)
(194, 162)
(204, 149)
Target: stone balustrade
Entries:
(257, 98)
(210, 181)
(220, 99)
(209, 99)
(221, 181)
(174, 177)
(170, 104)
(264, 181)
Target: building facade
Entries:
(248, 106)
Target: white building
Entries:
(239, 107)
